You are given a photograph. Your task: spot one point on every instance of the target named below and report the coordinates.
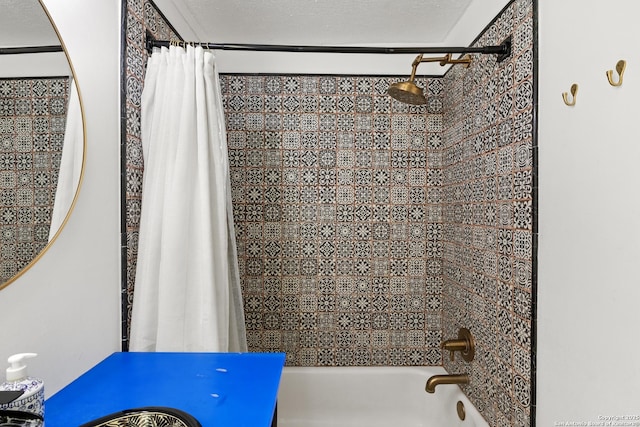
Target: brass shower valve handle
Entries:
(455, 345)
(465, 344)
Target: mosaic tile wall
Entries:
(338, 244)
(487, 211)
(140, 16)
(32, 123)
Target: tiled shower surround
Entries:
(368, 230)
(487, 217)
(32, 122)
(339, 248)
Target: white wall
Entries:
(589, 164)
(67, 307)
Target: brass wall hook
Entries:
(574, 92)
(620, 67)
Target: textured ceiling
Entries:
(24, 23)
(323, 22)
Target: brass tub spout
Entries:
(445, 379)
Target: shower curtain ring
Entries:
(565, 95)
(620, 67)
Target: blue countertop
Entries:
(218, 389)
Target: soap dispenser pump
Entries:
(32, 399)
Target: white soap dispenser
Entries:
(32, 400)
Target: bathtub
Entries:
(370, 397)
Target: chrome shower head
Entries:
(407, 92)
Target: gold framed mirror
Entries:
(42, 136)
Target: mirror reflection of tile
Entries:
(32, 124)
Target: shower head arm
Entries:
(443, 60)
(414, 67)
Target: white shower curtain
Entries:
(70, 162)
(187, 288)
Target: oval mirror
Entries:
(41, 136)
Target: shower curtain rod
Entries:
(503, 50)
(29, 49)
